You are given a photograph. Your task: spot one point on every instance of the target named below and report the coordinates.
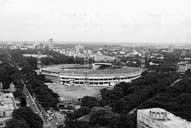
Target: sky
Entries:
(96, 20)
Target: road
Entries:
(30, 100)
(176, 81)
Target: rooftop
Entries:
(79, 70)
(7, 105)
(34, 55)
(172, 121)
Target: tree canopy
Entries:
(26, 114)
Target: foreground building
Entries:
(7, 105)
(159, 118)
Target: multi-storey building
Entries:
(7, 105)
(159, 118)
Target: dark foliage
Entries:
(15, 123)
(32, 119)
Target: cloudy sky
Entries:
(96, 20)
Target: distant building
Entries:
(134, 53)
(12, 88)
(99, 57)
(153, 64)
(79, 49)
(25, 46)
(40, 46)
(159, 118)
(170, 48)
(183, 66)
(7, 106)
(51, 45)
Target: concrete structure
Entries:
(159, 118)
(35, 55)
(77, 75)
(7, 105)
(79, 49)
(182, 67)
(170, 48)
(51, 45)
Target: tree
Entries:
(100, 116)
(120, 106)
(76, 124)
(23, 101)
(188, 72)
(122, 121)
(15, 123)
(32, 119)
(89, 101)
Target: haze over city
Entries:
(96, 20)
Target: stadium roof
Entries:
(173, 120)
(78, 71)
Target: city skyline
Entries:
(96, 21)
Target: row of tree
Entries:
(35, 83)
(176, 98)
(24, 118)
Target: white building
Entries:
(7, 105)
(159, 118)
(183, 66)
(51, 45)
(35, 55)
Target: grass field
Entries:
(74, 91)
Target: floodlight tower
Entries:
(86, 65)
(143, 60)
(105, 50)
(39, 63)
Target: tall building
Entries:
(170, 48)
(51, 45)
(159, 118)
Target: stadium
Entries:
(97, 74)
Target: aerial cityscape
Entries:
(98, 64)
(93, 85)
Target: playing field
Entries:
(74, 91)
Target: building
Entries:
(159, 118)
(51, 45)
(98, 74)
(182, 67)
(7, 105)
(35, 55)
(170, 48)
(79, 49)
